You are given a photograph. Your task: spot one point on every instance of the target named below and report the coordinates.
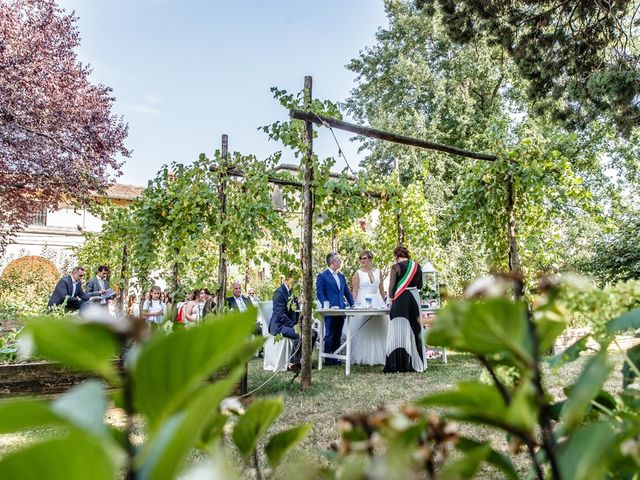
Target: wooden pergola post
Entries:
(307, 244)
(222, 197)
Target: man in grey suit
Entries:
(99, 282)
(69, 289)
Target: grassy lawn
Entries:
(333, 394)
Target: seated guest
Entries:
(253, 297)
(238, 301)
(285, 311)
(209, 303)
(285, 317)
(69, 289)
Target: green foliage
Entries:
(85, 346)
(163, 368)
(176, 226)
(75, 456)
(176, 382)
(282, 442)
(418, 81)
(590, 305)
(502, 333)
(579, 58)
(25, 288)
(254, 424)
(8, 346)
(616, 256)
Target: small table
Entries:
(443, 350)
(348, 313)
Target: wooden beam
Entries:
(382, 135)
(234, 172)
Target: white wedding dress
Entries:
(369, 332)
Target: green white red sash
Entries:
(412, 268)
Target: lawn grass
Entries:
(333, 394)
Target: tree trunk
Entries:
(514, 258)
(307, 246)
(174, 273)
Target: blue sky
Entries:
(186, 72)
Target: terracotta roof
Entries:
(123, 191)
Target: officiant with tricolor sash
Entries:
(404, 341)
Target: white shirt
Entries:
(240, 303)
(154, 306)
(73, 290)
(336, 278)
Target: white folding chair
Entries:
(276, 354)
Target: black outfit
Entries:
(404, 355)
(208, 307)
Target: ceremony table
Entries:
(349, 313)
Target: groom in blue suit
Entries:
(331, 286)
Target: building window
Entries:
(39, 217)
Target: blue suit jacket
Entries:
(63, 290)
(285, 313)
(327, 290)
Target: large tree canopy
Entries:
(58, 137)
(418, 81)
(580, 56)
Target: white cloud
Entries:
(149, 104)
(141, 108)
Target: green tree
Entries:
(580, 58)
(616, 256)
(416, 81)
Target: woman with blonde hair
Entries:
(369, 341)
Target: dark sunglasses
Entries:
(364, 258)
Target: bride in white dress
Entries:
(369, 332)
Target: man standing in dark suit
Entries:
(99, 282)
(238, 301)
(69, 288)
(332, 290)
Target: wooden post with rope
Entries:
(307, 244)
